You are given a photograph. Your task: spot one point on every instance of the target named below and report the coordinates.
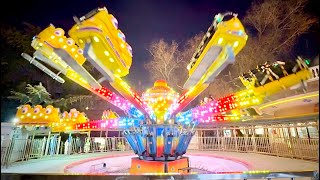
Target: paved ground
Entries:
(265, 162)
(56, 165)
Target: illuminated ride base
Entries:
(160, 144)
(156, 129)
(160, 148)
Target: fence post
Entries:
(47, 144)
(5, 160)
(235, 139)
(44, 140)
(58, 145)
(25, 149)
(218, 138)
(28, 149)
(254, 139)
(31, 146)
(290, 143)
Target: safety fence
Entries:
(23, 149)
(96, 144)
(14, 150)
(299, 148)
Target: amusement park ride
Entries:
(156, 129)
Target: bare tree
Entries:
(165, 60)
(274, 27)
(169, 60)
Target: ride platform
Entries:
(139, 166)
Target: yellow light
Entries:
(95, 38)
(122, 45)
(72, 49)
(64, 46)
(106, 53)
(40, 44)
(76, 55)
(220, 40)
(46, 117)
(119, 71)
(288, 100)
(41, 114)
(60, 39)
(52, 37)
(235, 44)
(22, 116)
(111, 60)
(33, 117)
(29, 114)
(80, 41)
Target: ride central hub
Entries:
(161, 144)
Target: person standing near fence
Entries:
(66, 147)
(78, 145)
(82, 142)
(87, 145)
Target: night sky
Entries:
(142, 21)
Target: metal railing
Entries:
(14, 150)
(97, 144)
(22, 149)
(299, 148)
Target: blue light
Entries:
(125, 122)
(184, 117)
(134, 112)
